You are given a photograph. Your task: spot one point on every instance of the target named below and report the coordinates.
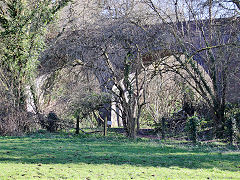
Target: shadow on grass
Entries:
(55, 149)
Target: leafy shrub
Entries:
(83, 108)
(232, 116)
(230, 129)
(52, 123)
(192, 127)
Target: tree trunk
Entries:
(132, 128)
(124, 120)
(19, 96)
(138, 124)
(230, 130)
(131, 121)
(219, 123)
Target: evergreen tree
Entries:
(23, 26)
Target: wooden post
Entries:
(105, 127)
(163, 127)
(77, 124)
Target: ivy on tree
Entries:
(23, 25)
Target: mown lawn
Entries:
(63, 156)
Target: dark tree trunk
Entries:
(219, 123)
(124, 120)
(77, 124)
(138, 124)
(132, 128)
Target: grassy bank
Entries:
(63, 156)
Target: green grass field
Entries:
(63, 156)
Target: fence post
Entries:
(163, 127)
(105, 127)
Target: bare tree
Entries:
(204, 38)
(108, 44)
(125, 31)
